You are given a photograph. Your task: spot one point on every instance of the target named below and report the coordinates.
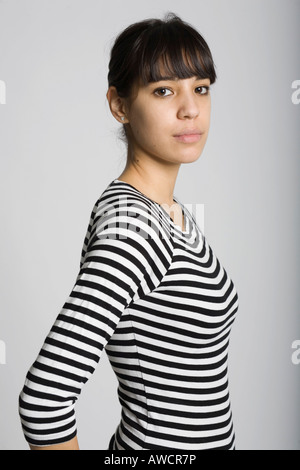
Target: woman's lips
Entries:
(188, 136)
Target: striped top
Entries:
(157, 299)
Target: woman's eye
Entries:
(163, 92)
(203, 90)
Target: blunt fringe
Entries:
(155, 49)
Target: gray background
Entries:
(59, 150)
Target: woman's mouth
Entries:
(188, 136)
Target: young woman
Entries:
(150, 290)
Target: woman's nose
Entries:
(188, 107)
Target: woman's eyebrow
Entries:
(165, 79)
(175, 79)
(169, 78)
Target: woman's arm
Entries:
(70, 445)
(120, 263)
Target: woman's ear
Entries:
(117, 105)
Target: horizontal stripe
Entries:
(160, 303)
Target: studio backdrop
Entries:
(60, 148)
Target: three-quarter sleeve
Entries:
(123, 258)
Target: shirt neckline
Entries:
(187, 225)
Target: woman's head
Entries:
(168, 51)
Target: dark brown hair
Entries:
(141, 50)
(154, 49)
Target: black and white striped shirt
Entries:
(157, 299)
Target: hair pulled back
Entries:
(153, 49)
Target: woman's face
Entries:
(170, 119)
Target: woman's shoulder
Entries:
(122, 200)
(122, 195)
(121, 206)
